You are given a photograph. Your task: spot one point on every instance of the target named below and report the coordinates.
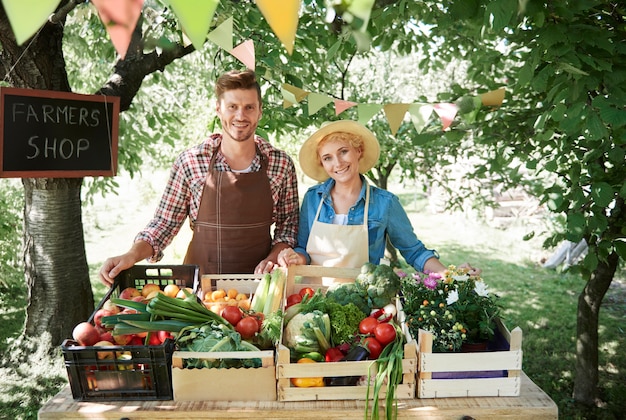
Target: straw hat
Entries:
(309, 159)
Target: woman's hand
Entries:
(472, 271)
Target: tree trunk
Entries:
(589, 301)
(55, 262)
(54, 257)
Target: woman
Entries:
(344, 221)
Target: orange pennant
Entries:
(341, 106)
(120, 19)
(244, 52)
(446, 112)
(282, 16)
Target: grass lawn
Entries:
(541, 302)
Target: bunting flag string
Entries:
(395, 113)
(195, 16)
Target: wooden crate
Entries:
(241, 384)
(481, 374)
(301, 276)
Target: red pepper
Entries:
(333, 354)
(381, 315)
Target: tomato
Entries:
(374, 347)
(232, 314)
(259, 316)
(247, 327)
(293, 299)
(367, 325)
(306, 291)
(385, 333)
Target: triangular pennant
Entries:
(395, 114)
(287, 104)
(195, 17)
(222, 36)
(420, 114)
(244, 52)
(282, 16)
(120, 19)
(26, 17)
(362, 9)
(293, 94)
(317, 101)
(493, 98)
(367, 111)
(446, 112)
(341, 105)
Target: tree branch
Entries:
(61, 13)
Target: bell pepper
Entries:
(333, 354)
(307, 382)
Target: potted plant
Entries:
(456, 308)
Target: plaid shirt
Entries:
(183, 192)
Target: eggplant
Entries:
(356, 354)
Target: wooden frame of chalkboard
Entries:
(51, 134)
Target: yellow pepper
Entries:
(307, 382)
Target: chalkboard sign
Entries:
(49, 134)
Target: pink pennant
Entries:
(119, 18)
(341, 106)
(446, 112)
(244, 52)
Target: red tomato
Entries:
(293, 299)
(385, 333)
(259, 316)
(367, 325)
(306, 291)
(247, 327)
(232, 314)
(373, 346)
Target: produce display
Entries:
(349, 322)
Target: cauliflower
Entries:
(307, 332)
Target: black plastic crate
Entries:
(186, 275)
(128, 372)
(116, 373)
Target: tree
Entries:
(564, 65)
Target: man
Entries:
(233, 187)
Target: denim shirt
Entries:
(386, 216)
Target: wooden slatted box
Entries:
(234, 384)
(479, 374)
(322, 277)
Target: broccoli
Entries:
(344, 322)
(344, 293)
(381, 283)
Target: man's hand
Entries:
(113, 266)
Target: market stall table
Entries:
(533, 403)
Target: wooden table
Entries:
(532, 403)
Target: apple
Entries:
(136, 341)
(154, 340)
(150, 288)
(164, 335)
(100, 313)
(86, 334)
(102, 355)
(129, 293)
(106, 336)
(122, 339)
(111, 307)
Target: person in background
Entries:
(233, 187)
(344, 221)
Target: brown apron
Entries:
(232, 232)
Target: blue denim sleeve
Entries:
(307, 213)
(402, 236)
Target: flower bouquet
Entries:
(456, 308)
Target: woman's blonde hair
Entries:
(352, 139)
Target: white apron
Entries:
(331, 245)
